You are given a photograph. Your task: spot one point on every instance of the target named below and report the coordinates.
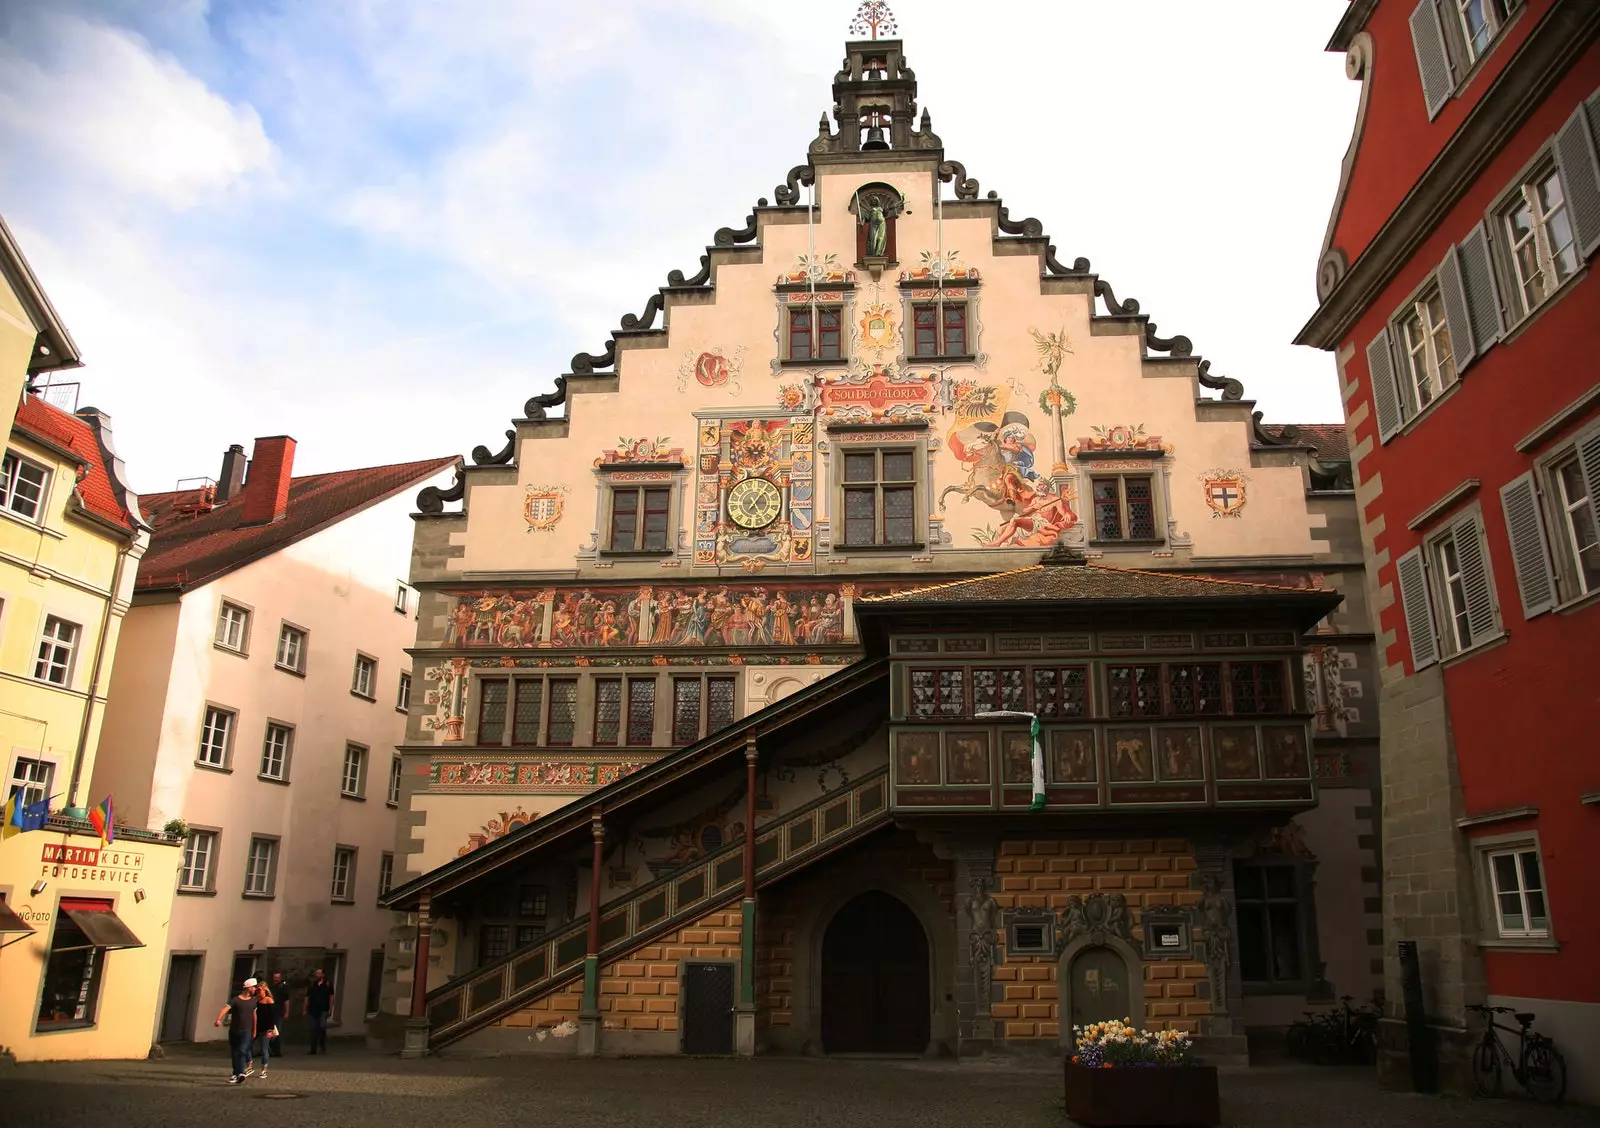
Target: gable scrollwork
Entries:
(537, 405)
(728, 237)
(675, 278)
(1230, 388)
(432, 499)
(800, 176)
(481, 455)
(632, 324)
(966, 186)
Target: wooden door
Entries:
(177, 1011)
(708, 1008)
(1100, 987)
(875, 986)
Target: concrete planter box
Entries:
(1158, 1096)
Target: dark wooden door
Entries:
(708, 1009)
(875, 986)
(1100, 987)
(177, 1011)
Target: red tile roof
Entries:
(1329, 440)
(1051, 581)
(192, 545)
(50, 424)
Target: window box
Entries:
(1161, 1095)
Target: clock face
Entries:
(754, 503)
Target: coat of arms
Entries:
(1225, 492)
(543, 506)
(877, 326)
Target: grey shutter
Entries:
(1418, 612)
(1483, 296)
(1589, 467)
(1580, 179)
(1385, 400)
(1454, 296)
(1472, 555)
(1433, 58)
(1530, 548)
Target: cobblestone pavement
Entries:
(358, 1090)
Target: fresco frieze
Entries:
(541, 775)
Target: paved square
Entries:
(361, 1090)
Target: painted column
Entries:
(744, 1023)
(416, 1032)
(589, 1013)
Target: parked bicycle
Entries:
(1344, 1036)
(1538, 1067)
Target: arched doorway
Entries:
(875, 985)
(1100, 986)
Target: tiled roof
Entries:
(191, 546)
(1081, 581)
(1330, 440)
(44, 421)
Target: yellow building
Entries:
(82, 926)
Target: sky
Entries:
(380, 225)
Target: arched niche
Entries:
(1072, 1008)
(872, 204)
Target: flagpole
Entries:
(1038, 748)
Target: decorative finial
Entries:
(872, 18)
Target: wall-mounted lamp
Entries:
(138, 896)
(39, 887)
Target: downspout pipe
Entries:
(73, 810)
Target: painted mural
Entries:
(495, 828)
(516, 774)
(779, 615)
(1330, 688)
(713, 368)
(939, 266)
(754, 491)
(641, 450)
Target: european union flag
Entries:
(32, 816)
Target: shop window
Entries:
(1269, 914)
(85, 930)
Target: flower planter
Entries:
(1171, 1096)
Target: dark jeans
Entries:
(259, 1047)
(239, 1046)
(319, 1031)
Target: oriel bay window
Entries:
(880, 498)
(1142, 689)
(1124, 507)
(701, 706)
(814, 332)
(85, 930)
(939, 328)
(640, 519)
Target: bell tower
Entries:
(875, 94)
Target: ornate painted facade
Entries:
(881, 381)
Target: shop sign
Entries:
(91, 863)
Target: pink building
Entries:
(260, 688)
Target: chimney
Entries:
(266, 491)
(232, 477)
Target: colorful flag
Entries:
(9, 814)
(1038, 767)
(100, 819)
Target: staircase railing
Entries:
(474, 1000)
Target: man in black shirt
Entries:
(318, 1006)
(240, 1012)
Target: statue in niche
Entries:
(982, 911)
(877, 230)
(1216, 925)
(875, 207)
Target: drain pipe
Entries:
(73, 810)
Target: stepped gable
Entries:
(192, 546)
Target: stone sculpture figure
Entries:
(982, 910)
(877, 229)
(1216, 926)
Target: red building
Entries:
(1454, 292)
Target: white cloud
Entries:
(107, 103)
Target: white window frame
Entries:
(1444, 584)
(1493, 22)
(1493, 930)
(354, 755)
(1425, 370)
(285, 754)
(225, 622)
(11, 474)
(385, 873)
(396, 772)
(208, 734)
(261, 867)
(402, 598)
(364, 676)
(292, 643)
(31, 779)
(203, 879)
(1566, 511)
(57, 651)
(402, 696)
(342, 886)
(1550, 269)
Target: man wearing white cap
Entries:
(240, 1012)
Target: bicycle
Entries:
(1539, 1067)
(1342, 1036)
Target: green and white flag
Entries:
(1038, 748)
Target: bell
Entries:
(875, 139)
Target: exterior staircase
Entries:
(788, 844)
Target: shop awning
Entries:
(11, 922)
(100, 924)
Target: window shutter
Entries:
(1530, 548)
(1433, 60)
(1472, 555)
(1477, 280)
(1385, 400)
(1589, 466)
(1418, 612)
(1454, 296)
(1580, 177)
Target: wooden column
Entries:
(745, 1012)
(750, 817)
(419, 963)
(591, 963)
